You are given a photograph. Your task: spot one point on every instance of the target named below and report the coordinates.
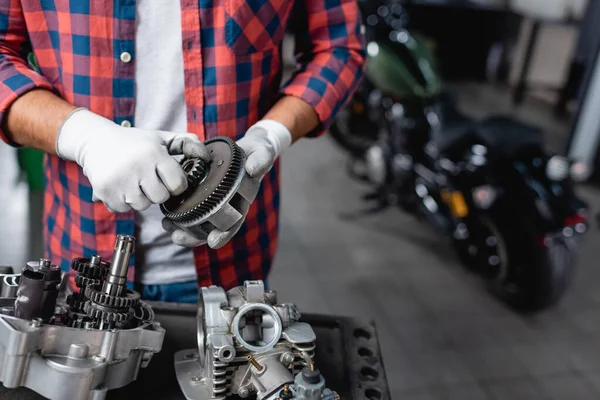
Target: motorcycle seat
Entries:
(507, 136)
(504, 135)
(457, 129)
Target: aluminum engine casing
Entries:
(50, 345)
(63, 363)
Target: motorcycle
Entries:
(507, 206)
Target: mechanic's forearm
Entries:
(296, 114)
(35, 118)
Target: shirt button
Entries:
(125, 57)
(126, 124)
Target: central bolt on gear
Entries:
(218, 191)
(110, 303)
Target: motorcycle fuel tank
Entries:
(403, 68)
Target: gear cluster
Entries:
(102, 300)
(89, 271)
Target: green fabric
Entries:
(31, 162)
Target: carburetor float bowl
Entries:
(218, 193)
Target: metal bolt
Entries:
(243, 392)
(220, 163)
(45, 263)
(287, 358)
(255, 363)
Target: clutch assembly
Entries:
(218, 190)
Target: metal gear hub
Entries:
(217, 192)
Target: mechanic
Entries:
(114, 91)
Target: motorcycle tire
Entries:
(537, 276)
(353, 132)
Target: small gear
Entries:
(127, 299)
(76, 301)
(196, 169)
(82, 281)
(87, 268)
(105, 315)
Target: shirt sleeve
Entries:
(330, 51)
(16, 77)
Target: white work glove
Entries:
(127, 167)
(263, 143)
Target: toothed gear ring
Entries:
(83, 281)
(217, 192)
(97, 313)
(76, 301)
(87, 268)
(128, 299)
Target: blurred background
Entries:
(445, 332)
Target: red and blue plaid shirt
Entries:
(232, 60)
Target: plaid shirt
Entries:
(232, 57)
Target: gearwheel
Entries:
(217, 192)
(93, 268)
(90, 272)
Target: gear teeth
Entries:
(77, 319)
(215, 199)
(84, 267)
(107, 316)
(82, 281)
(76, 301)
(127, 299)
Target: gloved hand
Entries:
(127, 167)
(262, 143)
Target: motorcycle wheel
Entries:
(352, 129)
(535, 276)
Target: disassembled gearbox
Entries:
(248, 344)
(80, 346)
(218, 192)
(95, 341)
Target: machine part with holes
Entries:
(249, 346)
(85, 348)
(218, 192)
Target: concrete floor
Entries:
(442, 335)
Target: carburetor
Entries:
(80, 347)
(249, 345)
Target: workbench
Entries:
(347, 355)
